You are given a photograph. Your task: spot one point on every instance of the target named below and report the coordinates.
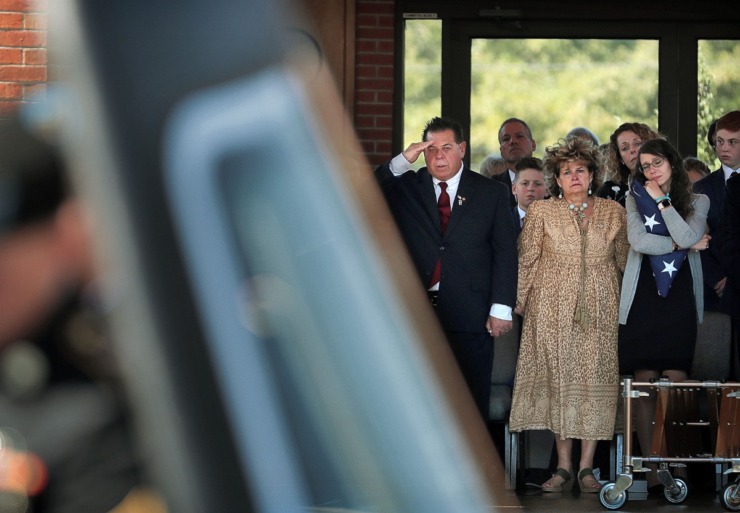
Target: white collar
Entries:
(454, 180)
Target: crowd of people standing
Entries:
(588, 240)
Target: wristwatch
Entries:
(664, 204)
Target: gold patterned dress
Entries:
(567, 375)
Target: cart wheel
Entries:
(615, 503)
(725, 498)
(680, 496)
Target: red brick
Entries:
(378, 159)
(35, 21)
(385, 47)
(24, 5)
(384, 71)
(368, 7)
(367, 46)
(10, 91)
(384, 121)
(367, 20)
(375, 33)
(374, 64)
(11, 56)
(11, 20)
(367, 147)
(374, 84)
(366, 71)
(35, 56)
(381, 59)
(14, 5)
(384, 148)
(23, 73)
(369, 109)
(384, 97)
(365, 109)
(374, 20)
(22, 38)
(365, 121)
(365, 97)
(386, 21)
(374, 134)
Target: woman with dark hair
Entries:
(572, 250)
(620, 158)
(657, 333)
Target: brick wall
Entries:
(23, 71)
(374, 78)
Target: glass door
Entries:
(559, 84)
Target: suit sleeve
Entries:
(503, 249)
(384, 176)
(729, 228)
(713, 187)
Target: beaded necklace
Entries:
(579, 210)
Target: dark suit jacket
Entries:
(478, 251)
(714, 187)
(505, 179)
(730, 234)
(517, 220)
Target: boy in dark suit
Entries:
(717, 296)
(528, 186)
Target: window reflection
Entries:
(558, 84)
(422, 77)
(719, 90)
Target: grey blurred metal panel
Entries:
(140, 62)
(127, 63)
(324, 297)
(238, 117)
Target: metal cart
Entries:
(695, 422)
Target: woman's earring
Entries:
(560, 195)
(589, 189)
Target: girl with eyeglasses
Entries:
(657, 334)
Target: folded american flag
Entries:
(665, 267)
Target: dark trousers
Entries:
(474, 355)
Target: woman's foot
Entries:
(587, 481)
(561, 481)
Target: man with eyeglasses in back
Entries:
(717, 296)
(457, 227)
(516, 142)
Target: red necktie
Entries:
(443, 205)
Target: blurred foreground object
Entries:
(65, 441)
(277, 362)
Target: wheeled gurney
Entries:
(695, 422)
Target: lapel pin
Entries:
(460, 200)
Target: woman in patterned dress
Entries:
(572, 251)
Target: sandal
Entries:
(588, 488)
(564, 486)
